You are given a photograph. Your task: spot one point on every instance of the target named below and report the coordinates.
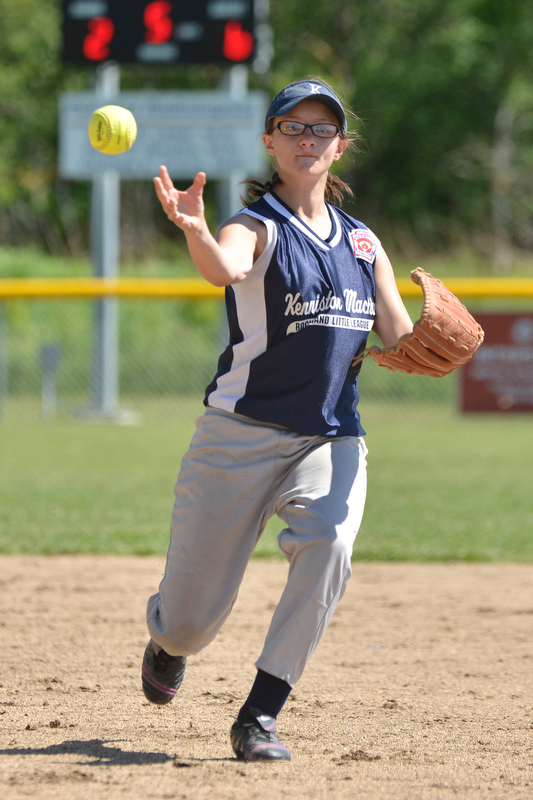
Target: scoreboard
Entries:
(160, 31)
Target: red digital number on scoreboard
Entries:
(158, 22)
(238, 43)
(96, 43)
(158, 31)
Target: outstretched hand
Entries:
(184, 209)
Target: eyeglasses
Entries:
(322, 130)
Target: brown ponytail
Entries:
(334, 192)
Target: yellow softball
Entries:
(112, 130)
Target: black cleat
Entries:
(254, 739)
(162, 674)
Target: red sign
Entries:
(500, 375)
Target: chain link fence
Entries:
(167, 354)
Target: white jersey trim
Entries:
(252, 319)
(261, 264)
(297, 222)
(337, 236)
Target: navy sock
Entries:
(268, 693)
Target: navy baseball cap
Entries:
(294, 93)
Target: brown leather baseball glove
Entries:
(445, 337)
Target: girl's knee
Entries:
(325, 545)
(175, 633)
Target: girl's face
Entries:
(305, 154)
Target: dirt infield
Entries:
(422, 688)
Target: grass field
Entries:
(441, 487)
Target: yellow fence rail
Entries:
(476, 287)
(194, 288)
(50, 288)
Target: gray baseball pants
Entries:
(235, 476)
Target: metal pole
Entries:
(105, 253)
(234, 81)
(3, 359)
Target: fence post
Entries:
(234, 80)
(105, 254)
(3, 359)
(50, 358)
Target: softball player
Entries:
(281, 434)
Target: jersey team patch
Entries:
(364, 244)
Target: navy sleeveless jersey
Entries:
(295, 323)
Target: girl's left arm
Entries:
(392, 318)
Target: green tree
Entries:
(443, 89)
(427, 78)
(36, 207)
(29, 78)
